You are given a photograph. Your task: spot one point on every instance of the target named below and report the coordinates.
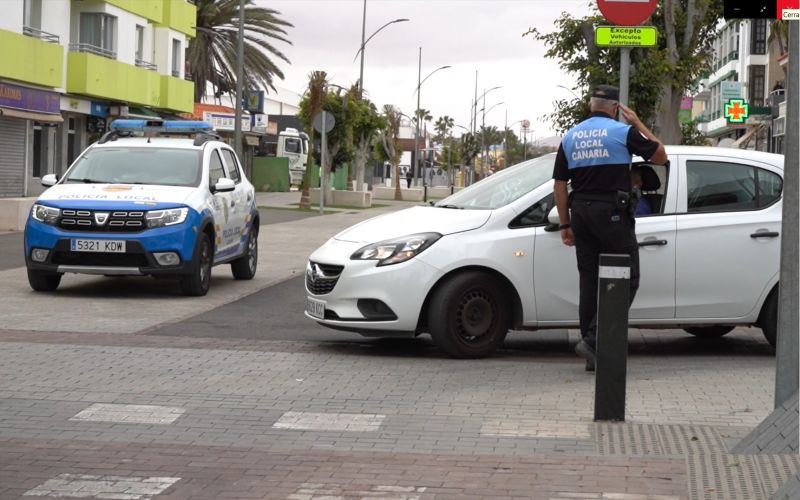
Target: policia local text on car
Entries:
(595, 156)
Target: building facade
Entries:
(744, 66)
(70, 66)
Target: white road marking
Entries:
(315, 491)
(129, 414)
(306, 421)
(517, 427)
(109, 487)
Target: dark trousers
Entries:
(600, 227)
(408, 180)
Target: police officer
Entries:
(595, 156)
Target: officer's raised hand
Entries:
(630, 115)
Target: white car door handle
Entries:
(765, 234)
(652, 243)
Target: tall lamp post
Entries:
(475, 106)
(237, 127)
(364, 42)
(420, 81)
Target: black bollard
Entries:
(612, 337)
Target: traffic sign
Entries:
(329, 121)
(627, 12)
(737, 111)
(625, 36)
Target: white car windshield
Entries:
(158, 166)
(504, 187)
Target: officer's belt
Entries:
(604, 197)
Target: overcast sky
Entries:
(469, 35)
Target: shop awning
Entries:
(31, 115)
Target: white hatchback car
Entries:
(489, 258)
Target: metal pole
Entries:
(475, 107)
(624, 75)
(505, 141)
(322, 170)
(524, 143)
(786, 371)
(425, 163)
(418, 118)
(237, 127)
(361, 73)
(613, 302)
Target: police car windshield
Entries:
(505, 186)
(157, 166)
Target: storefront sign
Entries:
(736, 111)
(260, 123)
(99, 109)
(253, 101)
(685, 114)
(28, 99)
(730, 90)
(225, 121)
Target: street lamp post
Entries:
(475, 104)
(420, 81)
(364, 42)
(237, 127)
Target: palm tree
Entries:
(212, 54)
(389, 140)
(314, 95)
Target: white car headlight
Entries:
(170, 217)
(48, 215)
(397, 250)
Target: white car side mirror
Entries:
(552, 216)
(49, 180)
(224, 185)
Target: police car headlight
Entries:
(48, 215)
(170, 217)
(397, 250)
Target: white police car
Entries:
(141, 203)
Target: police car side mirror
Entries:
(224, 186)
(49, 180)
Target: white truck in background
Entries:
(294, 146)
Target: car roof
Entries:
(156, 142)
(733, 153)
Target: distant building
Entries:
(68, 67)
(744, 65)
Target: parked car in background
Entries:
(489, 258)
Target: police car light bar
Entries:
(169, 126)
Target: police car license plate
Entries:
(315, 308)
(105, 246)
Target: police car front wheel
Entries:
(42, 281)
(196, 283)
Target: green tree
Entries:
(388, 144)
(212, 53)
(662, 74)
(365, 123)
(313, 97)
(339, 104)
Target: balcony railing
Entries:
(146, 65)
(176, 73)
(187, 76)
(41, 35)
(92, 49)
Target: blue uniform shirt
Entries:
(595, 155)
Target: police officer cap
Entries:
(607, 92)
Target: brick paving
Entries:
(116, 407)
(214, 472)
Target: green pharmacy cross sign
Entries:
(736, 111)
